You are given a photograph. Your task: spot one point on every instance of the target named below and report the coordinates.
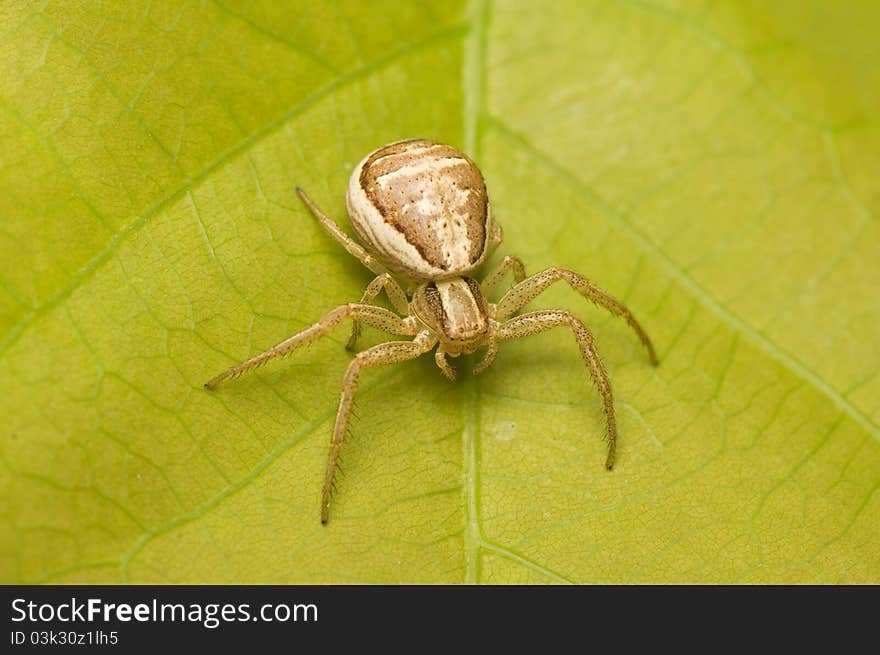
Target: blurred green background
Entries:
(716, 164)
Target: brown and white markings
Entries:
(422, 210)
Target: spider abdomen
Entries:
(421, 207)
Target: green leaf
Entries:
(713, 164)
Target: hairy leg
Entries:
(535, 322)
(494, 277)
(377, 317)
(491, 348)
(443, 365)
(395, 295)
(390, 352)
(529, 289)
(496, 236)
(352, 246)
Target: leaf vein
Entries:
(133, 227)
(756, 337)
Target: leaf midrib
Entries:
(473, 83)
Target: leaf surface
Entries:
(712, 164)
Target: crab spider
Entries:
(422, 211)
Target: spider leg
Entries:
(494, 276)
(496, 236)
(527, 290)
(395, 295)
(443, 365)
(391, 352)
(491, 350)
(377, 317)
(353, 247)
(535, 322)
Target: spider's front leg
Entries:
(391, 352)
(491, 348)
(529, 289)
(377, 317)
(443, 365)
(395, 294)
(535, 322)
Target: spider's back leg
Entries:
(353, 247)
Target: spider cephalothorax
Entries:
(423, 212)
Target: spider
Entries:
(422, 211)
